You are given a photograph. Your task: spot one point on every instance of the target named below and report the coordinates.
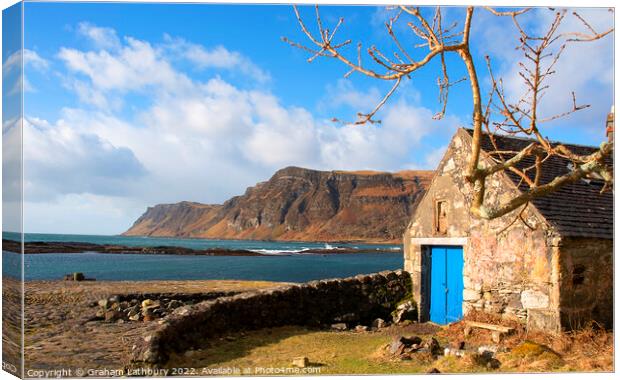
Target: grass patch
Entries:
(531, 357)
(332, 352)
(347, 352)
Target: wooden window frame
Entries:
(436, 227)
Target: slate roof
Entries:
(575, 210)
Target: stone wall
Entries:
(509, 268)
(586, 282)
(147, 306)
(354, 300)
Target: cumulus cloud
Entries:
(138, 66)
(61, 159)
(31, 58)
(344, 93)
(217, 57)
(89, 214)
(12, 66)
(387, 146)
(11, 159)
(430, 161)
(103, 38)
(192, 139)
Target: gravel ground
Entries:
(58, 335)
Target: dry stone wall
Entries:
(354, 300)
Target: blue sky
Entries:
(128, 105)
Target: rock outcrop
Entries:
(300, 205)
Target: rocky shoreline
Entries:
(77, 247)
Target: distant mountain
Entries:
(299, 204)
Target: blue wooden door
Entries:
(446, 296)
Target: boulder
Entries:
(432, 345)
(405, 311)
(488, 350)
(103, 303)
(113, 315)
(361, 328)
(411, 340)
(397, 347)
(453, 352)
(150, 304)
(379, 323)
(493, 364)
(339, 326)
(174, 304)
(133, 310)
(487, 360)
(401, 344)
(301, 362)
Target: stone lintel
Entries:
(439, 241)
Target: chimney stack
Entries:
(610, 125)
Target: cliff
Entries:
(299, 204)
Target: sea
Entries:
(279, 261)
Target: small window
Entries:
(579, 274)
(441, 217)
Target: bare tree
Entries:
(497, 114)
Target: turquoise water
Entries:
(281, 261)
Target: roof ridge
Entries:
(531, 139)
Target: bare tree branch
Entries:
(540, 52)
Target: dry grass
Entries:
(589, 349)
(330, 351)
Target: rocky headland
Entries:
(298, 204)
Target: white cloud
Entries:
(62, 159)
(80, 213)
(344, 93)
(12, 65)
(218, 57)
(11, 159)
(430, 161)
(585, 68)
(384, 146)
(136, 67)
(103, 38)
(31, 58)
(193, 140)
(91, 95)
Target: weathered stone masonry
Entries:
(513, 269)
(355, 300)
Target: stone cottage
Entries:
(553, 269)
